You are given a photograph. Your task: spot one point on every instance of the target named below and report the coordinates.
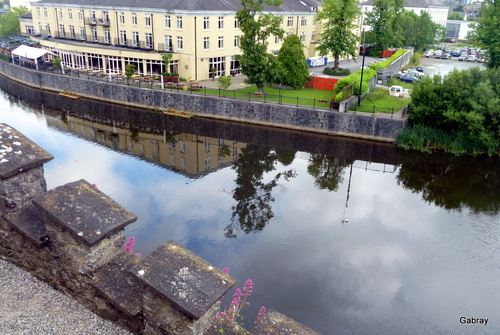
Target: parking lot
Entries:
(434, 66)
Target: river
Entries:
(345, 236)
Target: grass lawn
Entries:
(379, 101)
(303, 97)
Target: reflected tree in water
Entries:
(327, 171)
(453, 182)
(253, 194)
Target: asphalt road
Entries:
(434, 66)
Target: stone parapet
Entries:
(72, 237)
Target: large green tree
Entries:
(338, 22)
(487, 31)
(257, 64)
(293, 71)
(9, 22)
(382, 20)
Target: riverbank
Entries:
(267, 113)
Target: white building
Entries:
(437, 11)
(458, 30)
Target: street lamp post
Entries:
(362, 69)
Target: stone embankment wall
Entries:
(73, 238)
(284, 116)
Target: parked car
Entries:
(446, 56)
(408, 78)
(462, 58)
(429, 53)
(472, 58)
(418, 68)
(396, 91)
(455, 53)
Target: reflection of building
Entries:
(458, 30)
(200, 34)
(191, 155)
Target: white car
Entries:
(396, 91)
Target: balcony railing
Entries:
(104, 22)
(91, 21)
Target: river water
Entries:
(346, 237)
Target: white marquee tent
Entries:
(27, 52)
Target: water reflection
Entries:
(253, 195)
(417, 253)
(453, 182)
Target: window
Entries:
(59, 13)
(236, 23)
(206, 43)
(314, 21)
(38, 12)
(303, 37)
(80, 15)
(147, 18)
(207, 145)
(123, 37)
(276, 39)
(61, 31)
(206, 23)
(179, 22)
(221, 42)
(107, 36)
(221, 22)
(92, 16)
(105, 17)
(220, 160)
(149, 40)
(303, 21)
(40, 29)
(183, 163)
(168, 23)
(71, 31)
(171, 145)
(172, 160)
(183, 147)
(70, 14)
(94, 34)
(121, 18)
(134, 19)
(207, 163)
(82, 33)
(45, 13)
(47, 29)
(237, 41)
(313, 36)
(135, 39)
(169, 46)
(180, 43)
(219, 64)
(289, 21)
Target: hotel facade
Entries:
(203, 36)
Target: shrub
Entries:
(339, 72)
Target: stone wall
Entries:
(72, 237)
(271, 114)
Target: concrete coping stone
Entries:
(18, 153)
(277, 323)
(183, 278)
(117, 284)
(30, 222)
(87, 213)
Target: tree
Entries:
(427, 31)
(257, 64)
(293, 66)
(381, 20)
(9, 22)
(338, 22)
(486, 32)
(167, 58)
(224, 81)
(129, 71)
(455, 16)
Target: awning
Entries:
(30, 52)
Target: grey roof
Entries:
(182, 5)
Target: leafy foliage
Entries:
(455, 16)
(338, 22)
(257, 64)
(294, 71)
(129, 71)
(224, 81)
(487, 31)
(382, 20)
(465, 104)
(339, 72)
(9, 22)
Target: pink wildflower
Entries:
(262, 314)
(248, 288)
(225, 270)
(129, 246)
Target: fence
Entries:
(378, 109)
